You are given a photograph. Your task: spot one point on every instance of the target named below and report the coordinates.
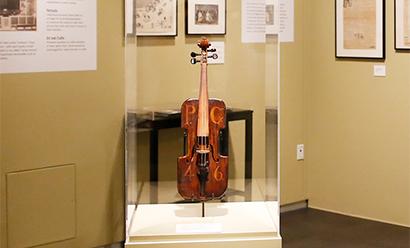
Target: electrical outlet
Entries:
(300, 152)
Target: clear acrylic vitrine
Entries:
(159, 78)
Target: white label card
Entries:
(199, 228)
(379, 70)
(220, 52)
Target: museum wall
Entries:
(358, 126)
(62, 141)
(165, 78)
(293, 83)
(1, 168)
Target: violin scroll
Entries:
(204, 45)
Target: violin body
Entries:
(202, 172)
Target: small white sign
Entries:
(220, 52)
(199, 228)
(379, 70)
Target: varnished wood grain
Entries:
(187, 172)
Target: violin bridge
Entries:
(203, 151)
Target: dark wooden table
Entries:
(155, 121)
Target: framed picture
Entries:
(156, 17)
(272, 17)
(360, 29)
(402, 24)
(206, 17)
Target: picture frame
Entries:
(402, 24)
(272, 17)
(360, 29)
(206, 17)
(156, 17)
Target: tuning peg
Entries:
(213, 56)
(193, 54)
(194, 61)
(211, 50)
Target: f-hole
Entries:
(223, 142)
(185, 150)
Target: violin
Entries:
(202, 172)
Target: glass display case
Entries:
(160, 77)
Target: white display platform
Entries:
(232, 224)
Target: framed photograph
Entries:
(360, 29)
(272, 17)
(402, 24)
(156, 17)
(206, 17)
(18, 15)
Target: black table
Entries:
(154, 121)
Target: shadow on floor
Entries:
(309, 228)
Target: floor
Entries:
(309, 228)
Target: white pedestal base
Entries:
(234, 224)
(237, 243)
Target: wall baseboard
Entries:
(114, 245)
(359, 216)
(294, 206)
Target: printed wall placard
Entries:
(47, 35)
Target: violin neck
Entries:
(203, 109)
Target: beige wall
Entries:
(1, 167)
(358, 126)
(293, 83)
(49, 120)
